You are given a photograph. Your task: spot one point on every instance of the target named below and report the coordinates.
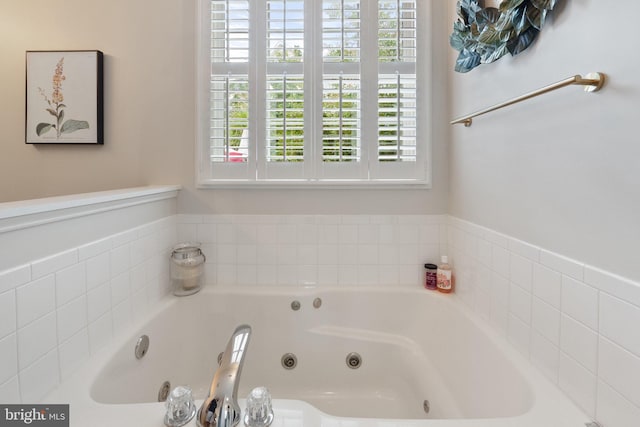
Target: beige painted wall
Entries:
(559, 171)
(149, 113)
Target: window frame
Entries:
(424, 100)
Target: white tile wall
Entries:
(582, 333)
(57, 311)
(317, 249)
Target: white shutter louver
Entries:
(312, 91)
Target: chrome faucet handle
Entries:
(259, 411)
(180, 407)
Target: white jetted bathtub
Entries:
(415, 346)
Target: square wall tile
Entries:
(520, 303)
(247, 254)
(521, 272)
(619, 321)
(519, 334)
(70, 283)
(500, 317)
(578, 383)
(98, 301)
(7, 313)
(579, 342)
(267, 234)
(348, 275)
(206, 233)
(348, 234)
(120, 288)
(368, 275)
(267, 275)
(49, 265)
(35, 299)
(93, 249)
(187, 232)
(98, 270)
(562, 264)
(614, 410)
(247, 275)
(546, 320)
(545, 355)
(120, 259)
(580, 301)
(100, 333)
(72, 317)
(500, 260)
(9, 358)
(484, 252)
(40, 378)
(547, 285)
(499, 290)
(10, 392)
(226, 234)
(14, 277)
(73, 353)
(327, 275)
(36, 339)
(524, 249)
(614, 285)
(124, 237)
(121, 316)
(620, 369)
(483, 304)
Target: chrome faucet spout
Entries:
(220, 408)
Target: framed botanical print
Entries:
(64, 97)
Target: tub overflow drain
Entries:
(354, 360)
(289, 361)
(142, 346)
(163, 393)
(426, 406)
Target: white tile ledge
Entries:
(30, 213)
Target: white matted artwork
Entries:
(64, 94)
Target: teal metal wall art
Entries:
(485, 34)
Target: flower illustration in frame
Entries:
(64, 97)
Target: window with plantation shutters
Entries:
(312, 92)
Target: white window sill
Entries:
(315, 184)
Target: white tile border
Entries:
(51, 297)
(597, 308)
